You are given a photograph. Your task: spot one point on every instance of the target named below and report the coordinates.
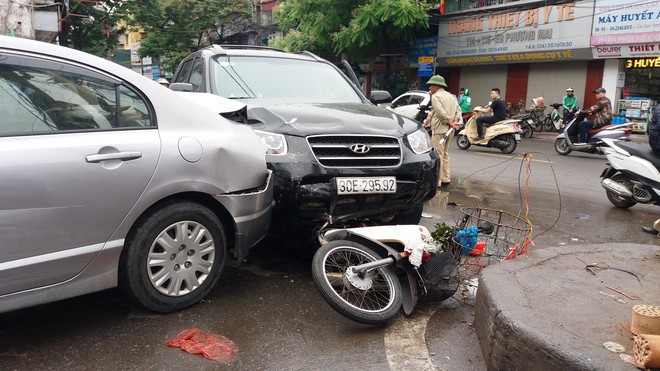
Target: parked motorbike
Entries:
(422, 112)
(503, 135)
(554, 120)
(631, 175)
(368, 274)
(565, 142)
(527, 125)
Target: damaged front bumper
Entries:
(252, 211)
(307, 194)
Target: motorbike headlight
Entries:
(420, 141)
(275, 143)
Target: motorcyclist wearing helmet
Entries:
(465, 101)
(570, 104)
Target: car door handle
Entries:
(124, 156)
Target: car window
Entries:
(280, 80)
(184, 71)
(401, 101)
(196, 75)
(35, 98)
(416, 99)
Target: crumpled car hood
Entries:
(329, 118)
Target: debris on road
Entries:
(212, 346)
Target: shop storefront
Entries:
(525, 53)
(628, 31)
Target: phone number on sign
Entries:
(347, 186)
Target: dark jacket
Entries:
(654, 130)
(603, 111)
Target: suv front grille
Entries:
(356, 150)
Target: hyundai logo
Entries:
(360, 148)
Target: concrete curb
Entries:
(546, 311)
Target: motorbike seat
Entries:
(594, 131)
(641, 150)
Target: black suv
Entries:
(334, 154)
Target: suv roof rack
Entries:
(309, 54)
(255, 47)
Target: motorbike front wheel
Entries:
(373, 299)
(548, 124)
(561, 146)
(619, 201)
(462, 141)
(511, 143)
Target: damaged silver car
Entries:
(109, 179)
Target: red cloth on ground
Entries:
(211, 346)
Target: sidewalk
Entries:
(552, 310)
(544, 135)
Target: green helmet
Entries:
(437, 80)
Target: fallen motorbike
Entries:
(566, 141)
(368, 274)
(631, 175)
(503, 135)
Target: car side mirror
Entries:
(181, 86)
(380, 96)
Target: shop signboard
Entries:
(422, 47)
(425, 66)
(620, 22)
(548, 33)
(627, 51)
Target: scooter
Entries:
(565, 142)
(422, 112)
(527, 125)
(368, 274)
(554, 121)
(503, 135)
(631, 175)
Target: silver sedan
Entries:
(109, 179)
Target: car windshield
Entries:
(280, 80)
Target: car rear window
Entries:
(280, 80)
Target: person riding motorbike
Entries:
(497, 107)
(465, 101)
(569, 103)
(603, 111)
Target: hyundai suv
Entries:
(334, 155)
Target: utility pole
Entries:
(63, 9)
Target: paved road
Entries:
(270, 308)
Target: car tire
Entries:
(408, 216)
(174, 258)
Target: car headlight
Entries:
(275, 143)
(420, 141)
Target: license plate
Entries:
(350, 186)
(517, 136)
(530, 121)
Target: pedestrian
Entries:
(164, 82)
(497, 107)
(569, 103)
(654, 142)
(445, 114)
(603, 111)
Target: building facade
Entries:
(534, 48)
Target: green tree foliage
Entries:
(354, 27)
(90, 26)
(174, 28)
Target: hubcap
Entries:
(181, 258)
